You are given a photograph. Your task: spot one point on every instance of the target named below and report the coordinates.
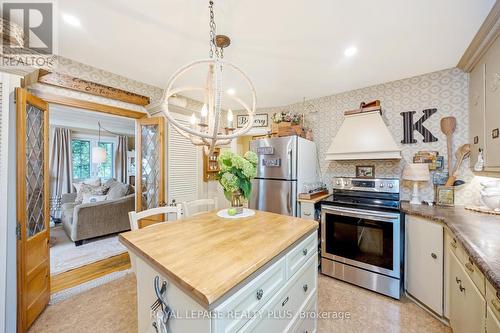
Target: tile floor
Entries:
(112, 308)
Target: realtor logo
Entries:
(37, 24)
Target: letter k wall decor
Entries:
(409, 126)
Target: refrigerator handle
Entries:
(288, 203)
(289, 158)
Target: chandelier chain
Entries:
(213, 28)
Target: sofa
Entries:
(83, 221)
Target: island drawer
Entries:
(470, 267)
(285, 307)
(298, 256)
(233, 313)
(306, 321)
(493, 299)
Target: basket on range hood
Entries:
(363, 135)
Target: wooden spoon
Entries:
(462, 153)
(448, 126)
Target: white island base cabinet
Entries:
(281, 297)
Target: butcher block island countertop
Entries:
(206, 256)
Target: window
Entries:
(80, 151)
(106, 168)
(83, 168)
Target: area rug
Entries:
(65, 256)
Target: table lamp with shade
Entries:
(416, 172)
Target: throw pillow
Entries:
(92, 181)
(117, 190)
(94, 190)
(89, 198)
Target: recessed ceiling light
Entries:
(71, 20)
(231, 91)
(350, 51)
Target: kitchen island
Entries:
(254, 274)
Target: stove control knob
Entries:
(346, 183)
(391, 185)
(381, 185)
(338, 182)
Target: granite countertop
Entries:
(207, 256)
(479, 234)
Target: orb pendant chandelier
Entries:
(209, 129)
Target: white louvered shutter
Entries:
(183, 165)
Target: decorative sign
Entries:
(259, 120)
(409, 126)
(272, 162)
(265, 150)
(73, 83)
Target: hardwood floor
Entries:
(89, 272)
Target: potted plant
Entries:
(235, 176)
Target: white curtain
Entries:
(121, 159)
(61, 176)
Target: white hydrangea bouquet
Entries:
(236, 174)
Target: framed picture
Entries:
(445, 196)
(259, 120)
(365, 171)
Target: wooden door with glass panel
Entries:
(150, 191)
(33, 234)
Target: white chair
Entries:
(191, 208)
(134, 218)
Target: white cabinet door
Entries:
(492, 112)
(424, 262)
(467, 305)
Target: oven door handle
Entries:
(358, 213)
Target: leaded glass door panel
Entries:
(150, 191)
(33, 231)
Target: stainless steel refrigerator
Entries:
(285, 164)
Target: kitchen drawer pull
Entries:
(496, 304)
(260, 293)
(458, 280)
(285, 301)
(307, 214)
(434, 256)
(469, 266)
(305, 287)
(462, 289)
(454, 244)
(304, 252)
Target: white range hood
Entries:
(363, 136)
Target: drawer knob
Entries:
(305, 287)
(462, 289)
(458, 280)
(434, 256)
(304, 252)
(469, 266)
(496, 304)
(260, 293)
(454, 244)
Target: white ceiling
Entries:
(290, 48)
(79, 119)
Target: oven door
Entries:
(366, 239)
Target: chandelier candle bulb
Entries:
(230, 119)
(204, 113)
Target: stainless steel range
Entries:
(362, 234)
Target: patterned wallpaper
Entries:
(446, 90)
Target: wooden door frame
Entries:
(77, 276)
(138, 179)
(21, 100)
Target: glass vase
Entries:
(237, 201)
